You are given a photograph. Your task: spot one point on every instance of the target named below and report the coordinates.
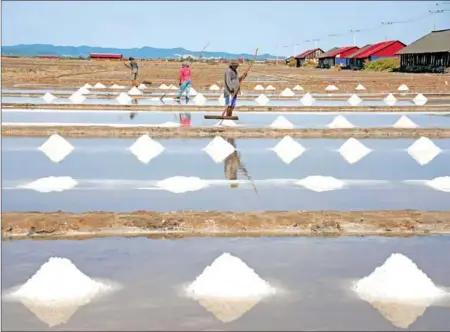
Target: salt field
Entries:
(345, 174)
(253, 120)
(313, 287)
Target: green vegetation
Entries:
(387, 64)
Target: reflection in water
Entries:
(134, 101)
(227, 310)
(233, 164)
(185, 119)
(401, 315)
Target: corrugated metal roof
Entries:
(306, 53)
(374, 48)
(362, 49)
(336, 51)
(434, 42)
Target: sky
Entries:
(275, 27)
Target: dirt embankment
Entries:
(210, 132)
(180, 224)
(75, 73)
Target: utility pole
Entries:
(354, 36)
(434, 12)
(384, 28)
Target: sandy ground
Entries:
(74, 73)
(229, 132)
(180, 224)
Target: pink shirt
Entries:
(185, 75)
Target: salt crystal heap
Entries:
(228, 288)
(57, 290)
(399, 290)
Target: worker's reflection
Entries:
(134, 101)
(233, 164)
(185, 119)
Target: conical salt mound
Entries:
(340, 122)
(401, 315)
(227, 310)
(282, 123)
(405, 122)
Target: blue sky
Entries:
(236, 26)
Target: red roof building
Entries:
(336, 56)
(387, 49)
(105, 56)
(309, 55)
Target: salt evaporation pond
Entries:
(152, 273)
(180, 174)
(254, 120)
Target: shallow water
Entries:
(304, 120)
(314, 274)
(105, 170)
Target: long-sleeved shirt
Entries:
(231, 82)
(185, 75)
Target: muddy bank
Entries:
(219, 109)
(180, 224)
(230, 132)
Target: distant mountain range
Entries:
(143, 52)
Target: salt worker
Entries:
(231, 84)
(132, 64)
(184, 82)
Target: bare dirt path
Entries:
(180, 224)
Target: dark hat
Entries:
(130, 58)
(234, 64)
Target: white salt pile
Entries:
(192, 92)
(182, 184)
(403, 87)
(145, 148)
(331, 87)
(270, 87)
(99, 86)
(320, 183)
(57, 290)
(87, 86)
(353, 150)
(262, 99)
(354, 100)
(51, 184)
(135, 92)
(218, 149)
(390, 99)
(307, 99)
(199, 99)
(56, 148)
(83, 91)
(281, 123)
(142, 86)
(405, 122)
(164, 87)
(441, 183)
(124, 98)
(214, 87)
(340, 122)
(423, 150)
(399, 290)
(259, 88)
(288, 149)
(420, 100)
(229, 277)
(229, 288)
(48, 97)
(115, 86)
(287, 93)
(173, 87)
(360, 87)
(297, 88)
(77, 98)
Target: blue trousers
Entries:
(185, 86)
(231, 102)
